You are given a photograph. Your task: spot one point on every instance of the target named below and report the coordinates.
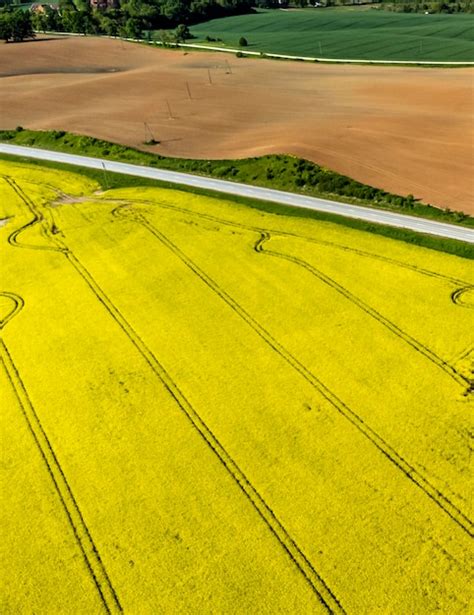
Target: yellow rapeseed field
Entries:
(207, 408)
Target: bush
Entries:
(243, 42)
(221, 171)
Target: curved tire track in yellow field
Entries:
(411, 341)
(17, 306)
(370, 255)
(38, 218)
(323, 242)
(450, 370)
(63, 489)
(320, 588)
(457, 297)
(442, 501)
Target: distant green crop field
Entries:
(355, 34)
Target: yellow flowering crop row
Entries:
(214, 409)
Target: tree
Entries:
(66, 5)
(269, 4)
(181, 33)
(165, 37)
(81, 5)
(15, 26)
(243, 42)
(108, 24)
(131, 28)
(43, 21)
(175, 11)
(5, 26)
(73, 21)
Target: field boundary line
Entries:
(316, 59)
(319, 587)
(263, 54)
(391, 454)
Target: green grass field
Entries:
(208, 408)
(350, 34)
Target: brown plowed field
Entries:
(408, 130)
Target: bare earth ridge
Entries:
(407, 130)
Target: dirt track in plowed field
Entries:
(407, 130)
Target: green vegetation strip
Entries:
(347, 34)
(280, 172)
(116, 180)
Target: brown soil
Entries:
(407, 130)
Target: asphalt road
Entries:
(388, 218)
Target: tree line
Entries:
(128, 18)
(404, 6)
(424, 6)
(138, 18)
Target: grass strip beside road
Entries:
(280, 172)
(116, 180)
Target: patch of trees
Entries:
(423, 6)
(15, 25)
(310, 175)
(134, 18)
(324, 3)
(402, 6)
